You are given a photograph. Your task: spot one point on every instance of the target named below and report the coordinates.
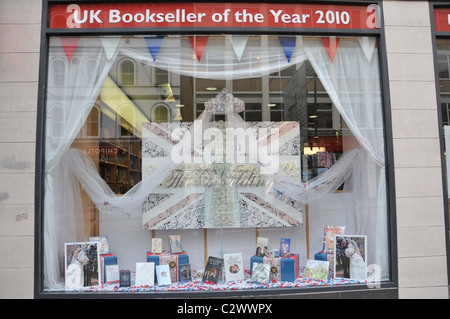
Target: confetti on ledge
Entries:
(246, 284)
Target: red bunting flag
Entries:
(331, 45)
(69, 46)
(198, 44)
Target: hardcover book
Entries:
(185, 272)
(145, 274)
(175, 244)
(285, 247)
(262, 245)
(156, 245)
(103, 244)
(125, 278)
(233, 267)
(163, 275)
(316, 269)
(328, 237)
(213, 270)
(112, 274)
(261, 272)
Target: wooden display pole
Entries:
(205, 244)
(307, 231)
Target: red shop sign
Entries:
(442, 19)
(211, 15)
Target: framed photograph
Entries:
(350, 257)
(81, 265)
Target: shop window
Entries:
(291, 151)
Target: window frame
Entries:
(389, 288)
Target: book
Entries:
(316, 269)
(112, 274)
(103, 244)
(233, 267)
(262, 245)
(175, 244)
(156, 245)
(145, 274)
(124, 278)
(328, 237)
(213, 270)
(285, 247)
(107, 260)
(185, 272)
(261, 272)
(163, 275)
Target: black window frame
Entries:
(387, 289)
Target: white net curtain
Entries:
(76, 77)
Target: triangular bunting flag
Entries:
(331, 45)
(198, 44)
(288, 45)
(368, 46)
(110, 46)
(153, 44)
(239, 42)
(69, 45)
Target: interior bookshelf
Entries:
(120, 158)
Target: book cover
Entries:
(233, 267)
(163, 275)
(185, 272)
(125, 278)
(112, 274)
(175, 244)
(316, 269)
(262, 245)
(213, 270)
(261, 272)
(285, 247)
(328, 237)
(103, 244)
(145, 274)
(350, 259)
(81, 265)
(156, 245)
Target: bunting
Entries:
(331, 45)
(198, 44)
(239, 42)
(110, 46)
(288, 45)
(153, 44)
(69, 45)
(368, 46)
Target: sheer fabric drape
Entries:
(351, 80)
